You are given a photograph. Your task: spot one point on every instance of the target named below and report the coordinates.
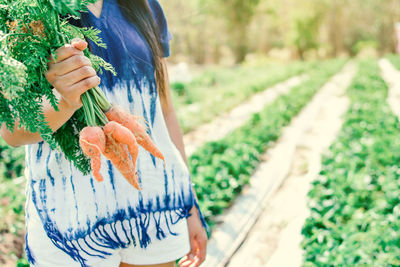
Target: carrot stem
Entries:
(100, 116)
(88, 109)
(101, 99)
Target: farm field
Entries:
(290, 115)
(291, 166)
(354, 204)
(337, 205)
(222, 170)
(219, 89)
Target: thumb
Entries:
(79, 44)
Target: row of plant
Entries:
(354, 203)
(217, 90)
(221, 169)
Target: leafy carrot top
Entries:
(30, 32)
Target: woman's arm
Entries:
(55, 120)
(71, 76)
(172, 122)
(197, 234)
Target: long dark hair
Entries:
(139, 13)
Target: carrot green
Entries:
(30, 32)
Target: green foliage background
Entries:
(213, 31)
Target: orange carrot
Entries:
(122, 135)
(93, 142)
(117, 152)
(131, 122)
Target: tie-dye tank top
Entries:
(85, 218)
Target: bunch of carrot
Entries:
(31, 31)
(117, 140)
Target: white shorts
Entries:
(166, 250)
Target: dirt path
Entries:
(226, 123)
(281, 208)
(278, 232)
(392, 77)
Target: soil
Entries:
(226, 123)
(277, 233)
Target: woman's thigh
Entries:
(169, 264)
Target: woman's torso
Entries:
(110, 214)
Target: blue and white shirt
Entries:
(85, 218)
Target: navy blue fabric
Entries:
(123, 39)
(165, 34)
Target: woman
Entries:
(71, 219)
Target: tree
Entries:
(305, 38)
(237, 15)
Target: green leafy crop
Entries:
(30, 32)
(354, 204)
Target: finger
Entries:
(65, 52)
(79, 44)
(183, 259)
(199, 253)
(202, 249)
(85, 84)
(196, 259)
(196, 262)
(187, 260)
(193, 254)
(77, 39)
(70, 64)
(186, 263)
(75, 76)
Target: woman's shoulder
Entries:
(161, 21)
(157, 11)
(154, 4)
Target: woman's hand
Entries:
(198, 241)
(72, 74)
